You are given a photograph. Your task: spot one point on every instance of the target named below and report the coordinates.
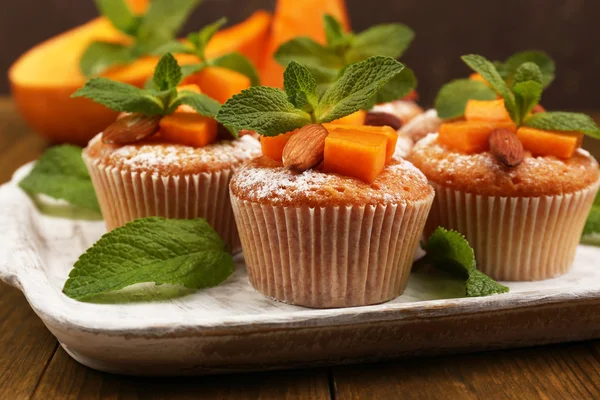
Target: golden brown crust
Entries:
(266, 181)
(156, 157)
(482, 174)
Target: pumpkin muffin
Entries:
(324, 240)
(154, 177)
(523, 222)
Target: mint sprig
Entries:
(162, 99)
(270, 111)
(61, 174)
(159, 25)
(327, 62)
(509, 67)
(179, 252)
(453, 97)
(449, 251)
(196, 45)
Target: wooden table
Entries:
(33, 365)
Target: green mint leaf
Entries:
(187, 70)
(263, 109)
(99, 56)
(120, 97)
(175, 47)
(300, 86)
(119, 14)
(449, 251)
(178, 252)
(162, 22)
(564, 121)
(309, 53)
(541, 59)
(239, 63)
(591, 230)
(527, 95)
(61, 174)
(354, 89)
(452, 98)
(203, 104)
(397, 88)
(488, 71)
(528, 72)
(167, 73)
(334, 31)
(204, 36)
(390, 40)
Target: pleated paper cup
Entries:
(516, 238)
(125, 196)
(330, 256)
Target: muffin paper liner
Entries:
(330, 256)
(515, 238)
(125, 196)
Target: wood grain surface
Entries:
(32, 365)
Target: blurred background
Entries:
(566, 29)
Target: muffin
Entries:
(524, 222)
(154, 177)
(321, 239)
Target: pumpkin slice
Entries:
(470, 136)
(272, 146)
(356, 154)
(356, 118)
(550, 143)
(389, 133)
(486, 110)
(219, 83)
(188, 128)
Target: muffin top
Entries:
(157, 157)
(482, 174)
(266, 181)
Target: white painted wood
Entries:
(234, 328)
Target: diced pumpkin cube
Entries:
(356, 118)
(354, 154)
(549, 143)
(272, 146)
(486, 110)
(477, 77)
(390, 134)
(219, 83)
(470, 136)
(188, 128)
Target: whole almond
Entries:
(130, 128)
(305, 148)
(506, 147)
(383, 119)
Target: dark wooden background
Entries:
(567, 29)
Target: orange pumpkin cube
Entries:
(470, 136)
(355, 154)
(390, 134)
(219, 83)
(188, 128)
(356, 118)
(272, 146)
(550, 143)
(486, 110)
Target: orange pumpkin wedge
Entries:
(550, 143)
(356, 154)
(389, 133)
(272, 146)
(356, 118)
(188, 128)
(486, 110)
(470, 136)
(219, 83)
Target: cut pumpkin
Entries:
(389, 133)
(549, 143)
(470, 136)
(356, 118)
(188, 128)
(219, 83)
(486, 110)
(272, 146)
(356, 154)
(477, 77)
(295, 18)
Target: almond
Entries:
(383, 119)
(506, 147)
(305, 148)
(130, 128)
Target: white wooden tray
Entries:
(234, 328)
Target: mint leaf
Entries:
(119, 14)
(203, 104)
(334, 31)
(179, 252)
(263, 109)
(120, 97)
(354, 89)
(175, 47)
(527, 95)
(453, 97)
(449, 251)
(201, 39)
(300, 86)
(239, 63)
(99, 56)
(390, 40)
(528, 72)
(167, 73)
(564, 121)
(309, 53)
(541, 59)
(397, 88)
(61, 174)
